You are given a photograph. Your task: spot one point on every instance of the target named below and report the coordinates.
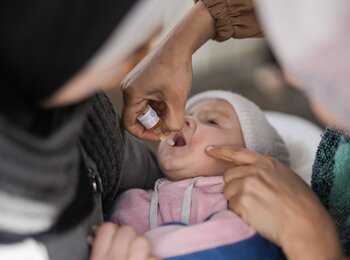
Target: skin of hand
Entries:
(278, 204)
(163, 78)
(119, 243)
(142, 87)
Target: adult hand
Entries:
(164, 78)
(278, 204)
(119, 243)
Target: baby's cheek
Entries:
(202, 141)
(208, 166)
(207, 137)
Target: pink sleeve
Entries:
(133, 209)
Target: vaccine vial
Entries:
(150, 120)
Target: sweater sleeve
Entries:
(233, 18)
(122, 161)
(140, 167)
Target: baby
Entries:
(186, 213)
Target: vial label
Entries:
(148, 118)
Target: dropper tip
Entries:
(170, 141)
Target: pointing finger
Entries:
(235, 154)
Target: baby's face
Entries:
(208, 122)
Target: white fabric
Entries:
(28, 249)
(186, 203)
(311, 39)
(145, 18)
(301, 137)
(153, 211)
(22, 215)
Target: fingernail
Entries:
(209, 148)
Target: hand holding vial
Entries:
(151, 121)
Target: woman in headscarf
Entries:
(311, 40)
(54, 55)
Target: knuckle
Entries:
(108, 226)
(128, 230)
(254, 169)
(262, 170)
(245, 200)
(271, 161)
(251, 184)
(227, 175)
(142, 242)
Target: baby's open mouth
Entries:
(179, 139)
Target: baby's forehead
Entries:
(211, 105)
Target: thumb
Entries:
(174, 117)
(235, 154)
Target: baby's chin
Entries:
(171, 174)
(177, 174)
(175, 177)
(187, 173)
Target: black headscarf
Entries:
(44, 43)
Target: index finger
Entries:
(234, 154)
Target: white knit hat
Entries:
(258, 133)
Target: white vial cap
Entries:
(148, 118)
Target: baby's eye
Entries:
(212, 121)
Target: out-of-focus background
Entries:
(244, 66)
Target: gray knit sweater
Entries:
(45, 191)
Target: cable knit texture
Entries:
(233, 18)
(103, 141)
(331, 180)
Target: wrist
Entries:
(313, 243)
(194, 29)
